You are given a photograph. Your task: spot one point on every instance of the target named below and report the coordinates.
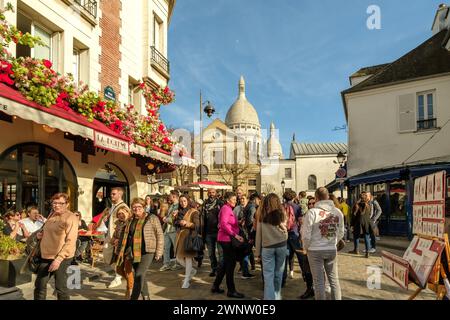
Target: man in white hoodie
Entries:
(322, 228)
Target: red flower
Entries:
(6, 79)
(47, 63)
(116, 126)
(100, 107)
(61, 101)
(166, 140)
(161, 128)
(142, 85)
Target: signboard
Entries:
(107, 142)
(341, 173)
(422, 255)
(109, 93)
(395, 268)
(429, 205)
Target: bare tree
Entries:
(182, 174)
(268, 188)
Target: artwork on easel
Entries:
(439, 183)
(430, 188)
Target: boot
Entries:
(309, 293)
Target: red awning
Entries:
(12, 102)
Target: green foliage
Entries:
(10, 247)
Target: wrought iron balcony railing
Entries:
(426, 124)
(159, 59)
(89, 5)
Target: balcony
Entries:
(426, 124)
(160, 62)
(90, 6)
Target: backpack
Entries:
(291, 216)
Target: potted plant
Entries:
(11, 260)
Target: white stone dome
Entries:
(274, 149)
(242, 111)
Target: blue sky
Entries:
(296, 57)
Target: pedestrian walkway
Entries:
(354, 273)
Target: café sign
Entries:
(107, 142)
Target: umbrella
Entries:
(206, 185)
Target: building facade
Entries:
(111, 46)
(397, 116)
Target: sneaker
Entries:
(164, 268)
(291, 274)
(115, 283)
(174, 267)
(247, 276)
(185, 284)
(193, 273)
(373, 250)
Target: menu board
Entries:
(429, 205)
(421, 256)
(395, 268)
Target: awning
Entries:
(421, 171)
(205, 185)
(13, 103)
(379, 177)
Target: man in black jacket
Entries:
(211, 208)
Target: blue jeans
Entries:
(169, 240)
(366, 242)
(273, 260)
(211, 244)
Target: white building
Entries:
(109, 44)
(398, 121)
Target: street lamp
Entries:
(209, 110)
(283, 184)
(341, 157)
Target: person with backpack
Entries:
(322, 229)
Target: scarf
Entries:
(137, 241)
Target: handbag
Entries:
(340, 245)
(194, 243)
(242, 249)
(33, 251)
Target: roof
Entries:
(367, 71)
(306, 149)
(428, 59)
(242, 111)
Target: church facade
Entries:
(236, 152)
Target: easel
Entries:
(438, 273)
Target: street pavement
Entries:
(353, 272)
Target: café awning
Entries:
(13, 103)
(205, 185)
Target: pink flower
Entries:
(47, 63)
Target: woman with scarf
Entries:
(141, 243)
(188, 222)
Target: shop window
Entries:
(398, 201)
(288, 173)
(379, 194)
(31, 174)
(252, 182)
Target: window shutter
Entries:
(407, 113)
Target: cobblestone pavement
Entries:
(167, 285)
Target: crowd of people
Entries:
(233, 228)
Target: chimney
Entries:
(442, 19)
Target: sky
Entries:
(296, 57)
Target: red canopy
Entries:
(206, 185)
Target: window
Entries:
(252, 182)
(134, 95)
(31, 174)
(49, 47)
(158, 34)
(312, 182)
(425, 111)
(288, 173)
(76, 65)
(217, 159)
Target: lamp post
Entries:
(283, 184)
(341, 157)
(209, 110)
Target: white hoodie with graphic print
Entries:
(322, 227)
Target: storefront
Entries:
(48, 150)
(393, 189)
